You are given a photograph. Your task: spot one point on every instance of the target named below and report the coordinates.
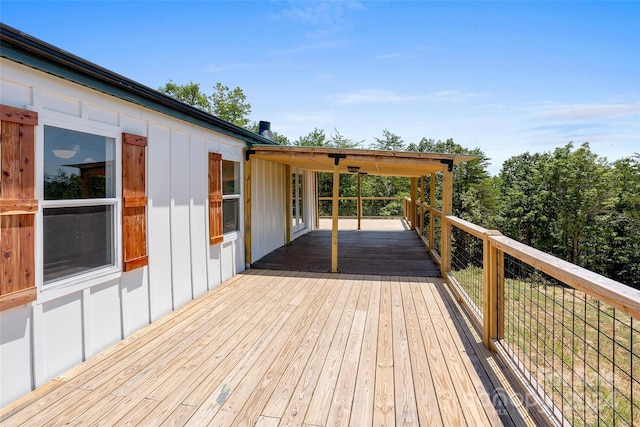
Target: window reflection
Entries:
(77, 165)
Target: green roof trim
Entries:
(24, 49)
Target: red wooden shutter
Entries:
(215, 198)
(18, 206)
(134, 200)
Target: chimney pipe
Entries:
(264, 130)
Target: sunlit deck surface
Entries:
(382, 246)
(274, 348)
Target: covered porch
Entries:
(413, 165)
(381, 246)
(273, 348)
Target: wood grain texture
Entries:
(134, 210)
(215, 198)
(284, 348)
(17, 206)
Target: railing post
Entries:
(491, 289)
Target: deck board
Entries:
(385, 247)
(284, 348)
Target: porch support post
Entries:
(316, 202)
(334, 216)
(421, 220)
(432, 205)
(414, 197)
(447, 207)
(359, 200)
(287, 205)
(247, 212)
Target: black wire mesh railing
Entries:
(467, 268)
(581, 355)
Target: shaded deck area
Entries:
(382, 246)
(274, 348)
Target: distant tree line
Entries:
(570, 202)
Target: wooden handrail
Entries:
(606, 290)
(363, 198)
(469, 227)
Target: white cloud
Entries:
(218, 68)
(585, 111)
(312, 118)
(457, 96)
(321, 14)
(325, 45)
(370, 96)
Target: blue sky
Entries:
(505, 77)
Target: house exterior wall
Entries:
(268, 212)
(76, 319)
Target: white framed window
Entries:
(80, 207)
(230, 196)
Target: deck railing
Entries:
(571, 336)
(365, 207)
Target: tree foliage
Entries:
(569, 202)
(228, 104)
(575, 205)
(189, 94)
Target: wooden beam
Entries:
(287, 205)
(334, 215)
(247, 212)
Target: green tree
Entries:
(230, 105)
(315, 138)
(389, 142)
(577, 188)
(523, 211)
(471, 183)
(276, 137)
(189, 94)
(620, 253)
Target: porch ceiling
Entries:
(373, 162)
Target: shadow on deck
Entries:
(385, 247)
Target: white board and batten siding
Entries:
(67, 324)
(268, 214)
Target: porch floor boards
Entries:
(271, 348)
(382, 246)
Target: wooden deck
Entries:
(382, 246)
(274, 348)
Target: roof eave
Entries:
(29, 51)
